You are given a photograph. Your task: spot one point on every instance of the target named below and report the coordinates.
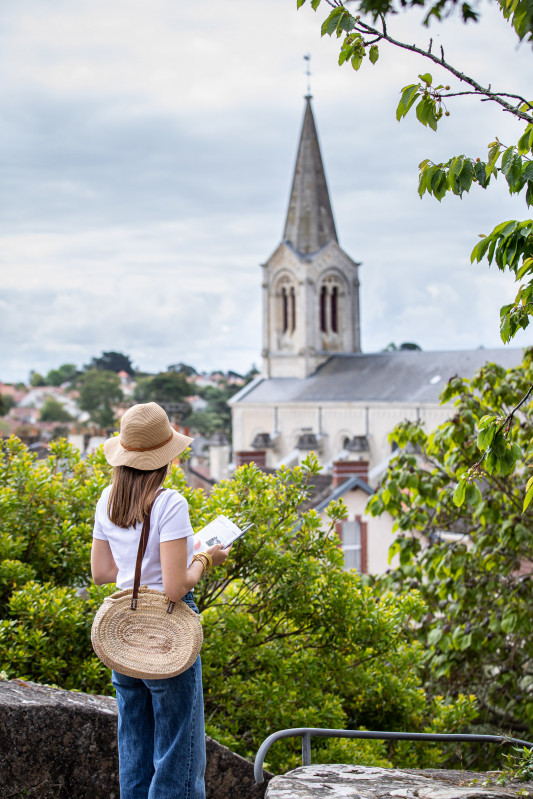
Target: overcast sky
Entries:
(147, 152)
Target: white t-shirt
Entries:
(169, 520)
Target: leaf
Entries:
(299, 3)
(426, 77)
(480, 171)
(409, 95)
(466, 174)
(480, 249)
(472, 494)
(357, 59)
(525, 142)
(373, 54)
(459, 493)
(528, 497)
(315, 4)
(527, 174)
(422, 111)
(507, 158)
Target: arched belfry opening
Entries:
(285, 300)
(310, 286)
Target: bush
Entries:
(290, 637)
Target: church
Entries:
(317, 391)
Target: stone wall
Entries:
(57, 744)
(361, 782)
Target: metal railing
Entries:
(317, 732)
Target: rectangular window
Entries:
(351, 545)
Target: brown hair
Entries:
(132, 493)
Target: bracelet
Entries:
(206, 561)
(209, 558)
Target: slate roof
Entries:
(405, 376)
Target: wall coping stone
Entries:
(57, 744)
(363, 782)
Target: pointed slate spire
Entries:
(310, 223)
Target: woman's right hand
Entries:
(218, 554)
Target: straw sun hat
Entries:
(146, 440)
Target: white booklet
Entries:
(220, 531)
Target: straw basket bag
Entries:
(141, 633)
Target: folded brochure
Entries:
(220, 531)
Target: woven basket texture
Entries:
(148, 642)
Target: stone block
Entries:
(362, 782)
(57, 744)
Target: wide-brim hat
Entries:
(146, 439)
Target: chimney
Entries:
(257, 456)
(342, 470)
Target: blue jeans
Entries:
(161, 735)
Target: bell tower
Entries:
(310, 285)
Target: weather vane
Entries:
(307, 58)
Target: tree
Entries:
(36, 379)
(6, 403)
(287, 630)
(217, 415)
(182, 369)
(65, 373)
(167, 389)
(510, 244)
(472, 564)
(206, 422)
(54, 411)
(112, 362)
(99, 392)
(406, 345)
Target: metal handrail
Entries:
(317, 732)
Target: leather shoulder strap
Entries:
(143, 543)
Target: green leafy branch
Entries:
(510, 245)
(500, 455)
(458, 174)
(361, 38)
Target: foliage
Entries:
(217, 415)
(36, 379)
(518, 12)
(112, 362)
(468, 548)
(183, 369)
(6, 403)
(65, 373)
(406, 345)
(54, 411)
(290, 637)
(99, 392)
(164, 388)
(207, 422)
(519, 764)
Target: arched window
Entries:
(286, 306)
(323, 301)
(285, 309)
(334, 296)
(329, 307)
(292, 309)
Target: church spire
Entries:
(310, 223)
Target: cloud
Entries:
(147, 160)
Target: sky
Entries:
(147, 152)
